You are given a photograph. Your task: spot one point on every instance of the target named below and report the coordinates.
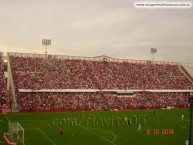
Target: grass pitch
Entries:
(165, 127)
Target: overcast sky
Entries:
(96, 27)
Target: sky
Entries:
(96, 27)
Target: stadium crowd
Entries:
(37, 73)
(4, 99)
(52, 73)
(100, 101)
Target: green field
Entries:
(102, 127)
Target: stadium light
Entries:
(190, 100)
(46, 42)
(153, 51)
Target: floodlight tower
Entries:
(46, 42)
(153, 51)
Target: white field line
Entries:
(115, 137)
(46, 136)
(6, 118)
(32, 120)
(111, 141)
(10, 122)
(43, 134)
(97, 134)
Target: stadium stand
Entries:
(39, 72)
(100, 101)
(4, 98)
(53, 73)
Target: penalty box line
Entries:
(96, 134)
(43, 134)
(6, 118)
(115, 137)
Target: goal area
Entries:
(16, 132)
